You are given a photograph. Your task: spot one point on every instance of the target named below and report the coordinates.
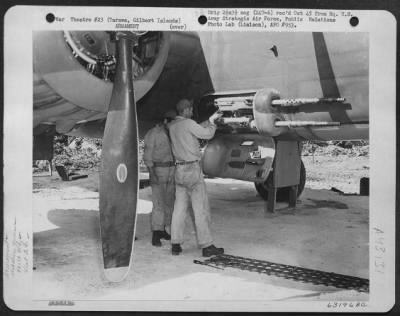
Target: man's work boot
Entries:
(155, 241)
(165, 235)
(212, 251)
(176, 249)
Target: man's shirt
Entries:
(157, 146)
(184, 134)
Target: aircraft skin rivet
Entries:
(122, 173)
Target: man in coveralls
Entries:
(189, 179)
(159, 160)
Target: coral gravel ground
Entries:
(328, 231)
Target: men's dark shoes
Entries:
(165, 235)
(155, 241)
(158, 235)
(176, 249)
(212, 251)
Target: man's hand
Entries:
(153, 179)
(153, 176)
(216, 116)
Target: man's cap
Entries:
(183, 104)
(170, 114)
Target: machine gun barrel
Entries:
(305, 124)
(300, 101)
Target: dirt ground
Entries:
(328, 231)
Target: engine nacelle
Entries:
(246, 157)
(74, 73)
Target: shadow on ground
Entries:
(70, 256)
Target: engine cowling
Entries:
(73, 73)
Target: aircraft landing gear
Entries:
(282, 194)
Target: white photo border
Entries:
(21, 21)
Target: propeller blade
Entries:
(119, 168)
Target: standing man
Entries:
(159, 160)
(189, 179)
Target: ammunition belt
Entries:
(294, 273)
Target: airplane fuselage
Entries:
(297, 65)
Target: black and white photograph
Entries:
(222, 165)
